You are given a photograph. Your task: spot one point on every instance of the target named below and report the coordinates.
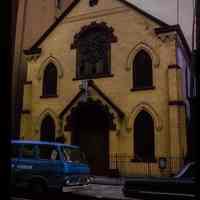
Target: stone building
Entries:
(31, 19)
(113, 79)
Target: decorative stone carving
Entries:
(167, 37)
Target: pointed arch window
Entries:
(144, 145)
(47, 129)
(49, 87)
(142, 71)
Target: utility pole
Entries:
(177, 11)
(197, 67)
(195, 92)
(198, 44)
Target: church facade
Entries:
(112, 79)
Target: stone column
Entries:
(177, 128)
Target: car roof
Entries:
(42, 143)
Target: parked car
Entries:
(44, 166)
(181, 186)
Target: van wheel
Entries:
(37, 187)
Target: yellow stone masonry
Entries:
(134, 32)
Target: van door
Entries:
(49, 164)
(25, 166)
(74, 161)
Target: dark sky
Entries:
(166, 10)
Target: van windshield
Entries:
(73, 155)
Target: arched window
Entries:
(142, 71)
(144, 137)
(93, 45)
(50, 81)
(47, 129)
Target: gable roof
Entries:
(78, 95)
(101, 94)
(35, 47)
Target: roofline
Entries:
(179, 31)
(94, 86)
(115, 107)
(155, 19)
(52, 27)
(71, 103)
(69, 9)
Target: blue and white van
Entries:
(44, 166)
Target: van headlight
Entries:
(91, 179)
(88, 180)
(72, 180)
(67, 182)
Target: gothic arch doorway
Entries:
(47, 129)
(90, 123)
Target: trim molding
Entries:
(174, 66)
(26, 111)
(28, 82)
(143, 88)
(32, 51)
(48, 96)
(94, 77)
(134, 160)
(176, 103)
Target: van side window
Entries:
(48, 152)
(15, 150)
(72, 154)
(28, 151)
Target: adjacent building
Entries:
(113, 79)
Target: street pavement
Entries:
(95, 191)
(102, 188)
(104, 191)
